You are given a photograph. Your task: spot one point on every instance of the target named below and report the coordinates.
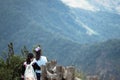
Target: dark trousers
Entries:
(38, 76)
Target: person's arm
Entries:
(23, 69)
(22, 72)
(36, 66)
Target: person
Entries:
(28, 61)
(40, 60)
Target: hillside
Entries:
(88, 40)
(19, 19)
(101, 59)
(104, 25)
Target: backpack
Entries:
(29, 73)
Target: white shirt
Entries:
(40, 62)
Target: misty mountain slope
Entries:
(104, 24)
(106, 5)
(62, 32)
(101, 59)
(55, 18)
(20, 19)
(23, 21)
(18, 16)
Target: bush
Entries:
(10, 65)
(11, 69)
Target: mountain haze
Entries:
(56, 18)
(89, 40)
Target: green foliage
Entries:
(10, 66)
(11, 70)
(24, 51)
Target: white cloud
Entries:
(83, 4)
(95, 5)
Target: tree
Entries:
(10, 65)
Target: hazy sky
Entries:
(95, 5)
(80, 4)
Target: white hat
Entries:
(37, 49)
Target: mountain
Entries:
(104, 25)
(99, 18)
(77, 25)
(100, 59)
(86, 39)
(106, 5)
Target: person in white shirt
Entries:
(39, 60)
